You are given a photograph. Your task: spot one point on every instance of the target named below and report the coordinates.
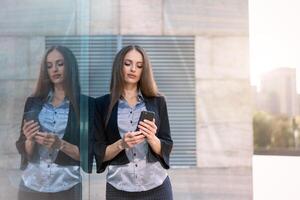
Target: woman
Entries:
(136, 160)
(51, 143)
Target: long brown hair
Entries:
(146, 84)
(71, 78)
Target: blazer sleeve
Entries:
(164, 135)
(100, 139)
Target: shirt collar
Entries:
(51, 95)
(140, 96)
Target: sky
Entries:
(274, 33)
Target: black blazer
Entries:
(105, 136)
(78, 135)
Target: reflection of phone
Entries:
(31, 115)
(149, 115)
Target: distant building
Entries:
(278, 93)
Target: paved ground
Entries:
(188, 184)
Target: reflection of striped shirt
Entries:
(138, 174)
(45, 175)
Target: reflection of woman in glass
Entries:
(136, 160)
(49, 142)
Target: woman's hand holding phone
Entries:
(147, 125)
(148, 129)
(30, 129)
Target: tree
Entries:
(262, 129)
(282, 133)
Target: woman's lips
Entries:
(131, 76)
(57, 76)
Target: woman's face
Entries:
(55, 67)
(132, 67)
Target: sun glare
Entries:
(274, 36)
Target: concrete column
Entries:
(104, 17)
(141, 17)
(224, 112)
(205, 17)
(20, 60)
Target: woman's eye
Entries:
(49, 66)
(127, 63)
(140, 66)
(60, 64)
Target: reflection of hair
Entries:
(70, 82)
(146, 83)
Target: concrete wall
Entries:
(224, 133)
(20, 60)
(223, 102)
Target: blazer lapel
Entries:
(113, 123)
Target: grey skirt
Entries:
(162, 192)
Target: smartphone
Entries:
(31, 115)
(149, 115)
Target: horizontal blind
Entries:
(172, 59)
(173, 63)
(94, 55)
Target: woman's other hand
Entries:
(131, 139)
(49, 140)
